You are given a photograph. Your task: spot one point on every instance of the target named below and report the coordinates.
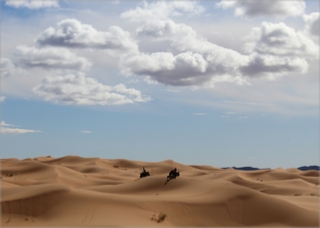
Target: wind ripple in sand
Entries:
(76, 191)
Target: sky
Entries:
(219, 83)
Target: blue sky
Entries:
(221, 83)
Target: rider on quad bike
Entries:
(144, 173)
(173, 174)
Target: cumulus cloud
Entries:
(72, 33)
(11, 129)
(276, 49)
(312, 23)
(197, 62)
(80, 90)
(281, 40)
(254, 8)
(49, 58)
(150, 62)
(183, 69)
(162, 10)
(32, 4)
(2, 98)
(271, 51)
(7, 67)
(183, 38)
(273, 67)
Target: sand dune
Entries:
(76, 191)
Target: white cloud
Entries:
(7, 67)
(72, 33)
(272, 51)
(10, 129)
(3, 124)
(86, 132)
(200, 114)
(49, 58)
(276, 49)
(186, 68)
(2, 98)
(254, 8)
(185, 38)
(150, 62)
(312, 23)
(210, 63)
(32, 4)
(80, 90)
(163, 10)
(281, 40)
(273, 67)
(198, 61)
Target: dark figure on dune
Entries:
(173, 174)
(144, 173)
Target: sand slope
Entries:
(75, 191)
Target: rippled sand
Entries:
(76, 191)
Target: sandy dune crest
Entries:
(76, 191)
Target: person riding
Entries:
(144, 173)
(173, 172)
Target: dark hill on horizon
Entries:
(249, 168)
(312, 167)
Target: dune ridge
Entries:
(77, 191)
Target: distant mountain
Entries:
(312, 167)
(247, 168)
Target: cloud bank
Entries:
(271, 50)
(161, 49)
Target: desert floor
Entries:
(76, 191)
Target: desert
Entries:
(78, 191)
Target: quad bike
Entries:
(173, 175)
(144, 174)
